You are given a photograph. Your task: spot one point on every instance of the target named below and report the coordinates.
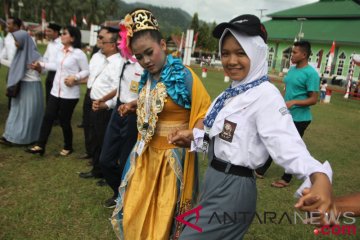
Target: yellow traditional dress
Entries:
(161, 182)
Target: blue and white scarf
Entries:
(229, 93)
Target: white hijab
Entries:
(256, 49)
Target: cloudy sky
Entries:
(224, 10)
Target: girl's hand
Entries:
(318, 200)
(181, 138)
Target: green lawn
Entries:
(43, 197)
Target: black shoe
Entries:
(4, 141)
(85, 156)
(89, 175)
(36, 150)
(56, 122)
(109, 203)
(86, 175)
(102, 182)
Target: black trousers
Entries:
(98, 124)
(120, 138)
(62, 108)
(87, 109)
(301, 127)
(49, 83)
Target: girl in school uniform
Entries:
(244, 124)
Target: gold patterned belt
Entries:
(164, 128)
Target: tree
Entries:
(204, 36)
(213, 42)
(195, 23)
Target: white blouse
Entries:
(70, 62)
(257, 123)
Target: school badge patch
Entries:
(134, 86)
(284, 111)
(227, 133)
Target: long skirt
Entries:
(26, 113)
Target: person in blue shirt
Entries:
(301, 91)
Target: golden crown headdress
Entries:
(143, 19)
(138, 20)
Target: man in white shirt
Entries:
(52, 33)
(7, 54)
(9, 50)
(105, 82)
(95, 66)
(121, 133)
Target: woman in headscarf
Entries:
(245, 124)
(160, 179)
(24, 85)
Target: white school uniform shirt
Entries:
(108, 79)
(9, 50)
(130, 82)
(70, 62)
(52, 51)
(262, 125)
(97, 63)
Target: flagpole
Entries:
(181, 44)
(349, 77)
(330, 59)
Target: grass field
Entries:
(43, 197)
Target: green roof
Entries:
(322, 9)
(342, 31)
(323, 21)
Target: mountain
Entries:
(171, 20)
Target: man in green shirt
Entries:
(301, 91)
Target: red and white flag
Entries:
(195, 40)
(331, 57)
(73, 21)
(43, 20)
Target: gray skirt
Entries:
(227, 207)
(26, 113)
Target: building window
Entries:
(271, 56)
(319, 56)
(340, 68)
(285, 61)
(326, 63)
(351, 58)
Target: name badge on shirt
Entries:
(227, 133)
(134, 86)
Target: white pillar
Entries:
(188, 46)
